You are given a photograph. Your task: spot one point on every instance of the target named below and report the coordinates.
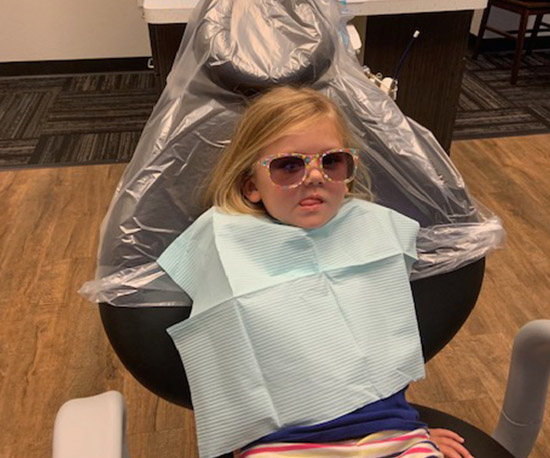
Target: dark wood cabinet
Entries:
(165, 42)
(431, 78)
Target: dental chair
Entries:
(222, 62)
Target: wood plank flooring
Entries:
(467, 379)
(52, 347)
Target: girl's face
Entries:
(316, 201)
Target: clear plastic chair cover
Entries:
(232, 49)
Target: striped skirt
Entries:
(385, 444)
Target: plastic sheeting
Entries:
(232, 49)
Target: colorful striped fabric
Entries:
(385, 444)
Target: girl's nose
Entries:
(314, 176)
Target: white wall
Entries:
(35, 30)
(476, 19)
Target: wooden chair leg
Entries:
(534, 33)
(519, 46)
(481, 32)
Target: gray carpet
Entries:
(489, 106)
(75, 119)
(98, 118)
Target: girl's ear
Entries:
(250, 191)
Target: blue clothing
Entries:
(391, 413)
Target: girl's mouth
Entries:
(311, 202)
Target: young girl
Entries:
(303, 338)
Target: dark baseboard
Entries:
(61, 67)
(506, 44)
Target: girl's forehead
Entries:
(312, 139)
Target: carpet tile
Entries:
(74, 119)
(498, 123)
(98, 118)
(16, 152)
(86, 113)
(85, 148)
(489, 106)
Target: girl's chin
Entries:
(306, 217)
(311, 220)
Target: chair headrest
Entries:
(286, 42)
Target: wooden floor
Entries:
(52, 347)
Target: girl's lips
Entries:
(310, 202)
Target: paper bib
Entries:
(292, 326)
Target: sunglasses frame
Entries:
(309, 159)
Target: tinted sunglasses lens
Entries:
(339, 165)
(286, 171)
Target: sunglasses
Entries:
(289, 170)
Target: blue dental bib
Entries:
(293, 326)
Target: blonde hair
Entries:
(281, 111)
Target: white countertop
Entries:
(178, 11)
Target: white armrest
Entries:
(93, 427)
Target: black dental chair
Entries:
(158, 367)
(187, 123)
